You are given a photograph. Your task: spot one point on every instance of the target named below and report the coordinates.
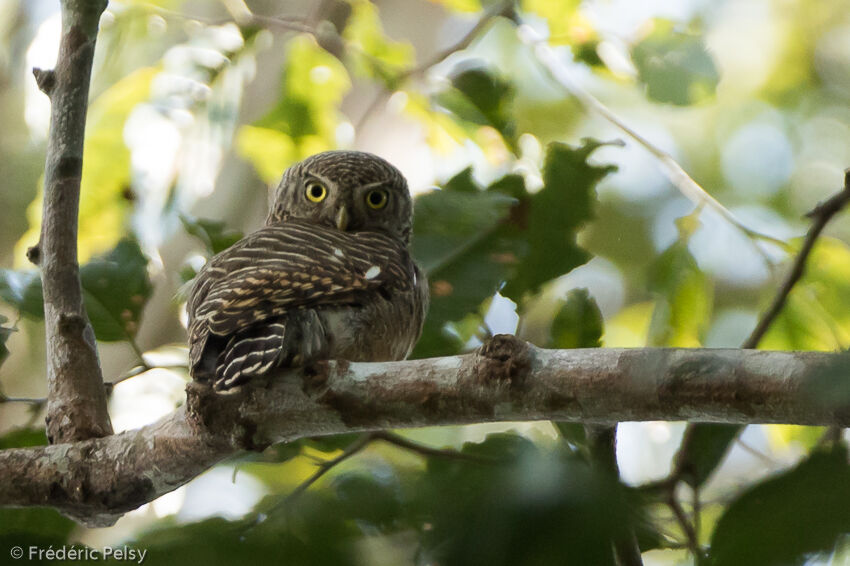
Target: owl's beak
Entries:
(342, 219)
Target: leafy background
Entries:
(545, 225)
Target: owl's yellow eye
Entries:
(316, 192)
(377, 199)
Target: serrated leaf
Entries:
(785, 518)
(675, 66)
(453, 231)
(547, 222)
(481, 97)
(578, 322)
(213, 233)
(685, 296)
(305, 119)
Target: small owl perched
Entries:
(329, 276)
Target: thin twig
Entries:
(29, 400)
(821, 215)
(328, 465)
(464, 42)
(685, 524)
(401, 442)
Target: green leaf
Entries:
(115, 289)
(373, 499)
(5, 332)
(22, 290)
(816, 315)
(374, 54)
(566, 23)
(453, 241)
(213, 233)
(534, 507)
(578, 323)
(685, 294)
(481, 97)
(545, 223)
(703, 448)
(305, 119)
(786, 518)
(22, 438)
(36, 526)
(307, 531)
(675, 67)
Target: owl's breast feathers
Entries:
(259, 303)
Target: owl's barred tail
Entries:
(250, 353)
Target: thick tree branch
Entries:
(76, 406)
(97, 479)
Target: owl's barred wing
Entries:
(285, 268)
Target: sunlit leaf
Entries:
(785, 518)
(442, 133)
(565, 21)
(213, 233)
(816, 315)
(106, 171)
(477, 95)
(460, 5)
(304, 120)
(683, 310)
(675, 66)
(373, 53)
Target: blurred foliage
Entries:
(116, 287)
(106, 170)
(576, 242)
(674, 66)
(304, 120)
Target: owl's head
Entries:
(348, 190)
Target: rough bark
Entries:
(76, 407)
(506, 380)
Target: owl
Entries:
(330, 276)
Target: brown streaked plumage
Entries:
(329, 276)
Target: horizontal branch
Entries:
(96, 480)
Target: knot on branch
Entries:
(34, 254)
(45, 79)
(503, 359)
(220, 415)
